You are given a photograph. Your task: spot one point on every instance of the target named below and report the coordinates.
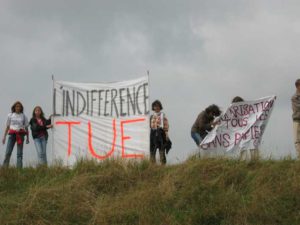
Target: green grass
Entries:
(210, 191)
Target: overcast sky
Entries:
(198, 52)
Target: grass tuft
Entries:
(208, 192)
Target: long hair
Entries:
(13, 108)
(42, 112)
(214, 109)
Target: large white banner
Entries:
(240, 127)
(100, 120)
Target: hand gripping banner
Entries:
(241, 126)
(100, 120)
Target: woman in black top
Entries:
(39, 126)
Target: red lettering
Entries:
(69, 124)
(90, 138)
(123, 138)
(93, 152)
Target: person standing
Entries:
(204, 123)
(39, 125)
(254, 154)
(159, 132)
(296, 117)
(16, 129)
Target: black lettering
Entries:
(87, 103)
(146, 97)
(100, 99)
(70, 103)
(54, 103)
(79, 94)
(105, 103)
(92, 101)
(121, 102)
(114, 94)
(137, 100)
(131, 100)
(63, 105)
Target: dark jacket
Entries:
(202, 125)
(296, 107)
(36, 129)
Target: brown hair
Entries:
(297, 83)
(42, 112)
(13, 108)
(237, 99)
(157, 103)
(214, 109)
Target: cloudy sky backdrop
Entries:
(198, 52)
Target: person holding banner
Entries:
(159, 132)
(204, 123)
(296, 116)
(16, 129)
(254, 154)
(240, 127)
(39, 125)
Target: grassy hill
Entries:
(198, 192)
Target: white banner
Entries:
(100, 120)
(240, 127)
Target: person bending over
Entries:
(204, 123)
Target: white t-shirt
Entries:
(17, 121)
(158, 120)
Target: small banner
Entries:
(241, 127)
(100, 120)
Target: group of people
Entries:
(208, 119)
(17, 125)
(205, 122)
(17, 129)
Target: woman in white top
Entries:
(159, 133)
(17, 129)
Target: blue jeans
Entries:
(9, 148)
(40, 145)
(196, 137)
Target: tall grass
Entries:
(210, 191)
